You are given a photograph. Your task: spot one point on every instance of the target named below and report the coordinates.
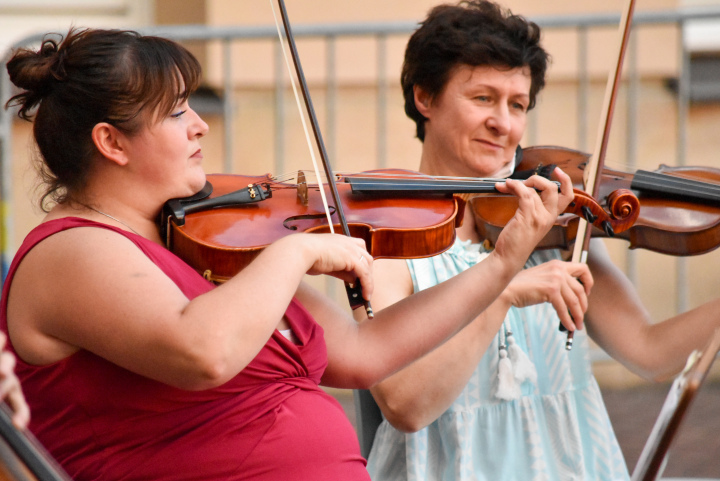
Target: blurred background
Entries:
(668, 112)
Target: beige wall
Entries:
(355, 60)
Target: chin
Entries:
(197, 183)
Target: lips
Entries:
(492, 145)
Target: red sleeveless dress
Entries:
(270, 422)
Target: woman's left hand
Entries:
(539, 204)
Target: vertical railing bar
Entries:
(331, 100)
(7, 228)
(583, 88)
(682, 113)
(279, 115)
(227, 106)
(382, 81)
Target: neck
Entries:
(113, 198)
(113, 218)
(467, 230)
(430, 163)
(108, 213)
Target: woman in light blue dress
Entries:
(549, 425)
(503, 399)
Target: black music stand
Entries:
(652, 459)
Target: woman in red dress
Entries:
(135, 367)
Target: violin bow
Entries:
(354, 291)
(597, 160)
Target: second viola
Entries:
(679, 210)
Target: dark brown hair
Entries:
(471, 33)
(93, 76)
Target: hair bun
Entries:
(37, 71)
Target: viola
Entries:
(399, 214)
(679, 210)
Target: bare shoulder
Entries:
(71, 287)
(74, 257)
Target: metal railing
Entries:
(381, 32)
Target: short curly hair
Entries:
(473, 33)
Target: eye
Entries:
(519, 106)
(178, 114)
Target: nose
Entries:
(198, 127)
(499, 119)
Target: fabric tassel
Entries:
(523, 367)
(507, 388)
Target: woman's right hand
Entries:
(339, 256)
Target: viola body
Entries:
(673, 219)
(221, 242)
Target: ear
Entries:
(109, 142)
(423, 100)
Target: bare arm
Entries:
(404, 330)
(360, 355)
(416, 396)
(621, 325)
(90, 288)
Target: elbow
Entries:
(658, 376)
(404, 422)
(206, 371)
(404, 417)
(406, 426)
(653, 372)
(214, 373)
(196, 361)
(202, 377)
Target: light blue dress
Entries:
(556, 429)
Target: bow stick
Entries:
(597, 160)
(354, 291)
